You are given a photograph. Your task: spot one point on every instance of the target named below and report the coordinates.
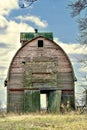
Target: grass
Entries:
(70, 121)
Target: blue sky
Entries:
(57, 15)
(46, 16)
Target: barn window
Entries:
(40, 43)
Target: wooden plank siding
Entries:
(38, 67)
(54, 101)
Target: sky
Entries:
(47, 16)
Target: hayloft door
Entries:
(54, 100)
(31, 100)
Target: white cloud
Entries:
(76, 52)
(34, 19)
(83, 69)
(3, 97)
(7, 5)
(3, 22)
(11, 38)
(72, 48)
(12, 32)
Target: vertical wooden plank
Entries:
(27, 76)
(28, 101)
(31, 100)
(15, 103)
(36, 100)
(54, 100)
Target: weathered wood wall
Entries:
(38, 67)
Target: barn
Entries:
(40, 75)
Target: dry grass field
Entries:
(70, 121)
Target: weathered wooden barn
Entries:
(39, 67)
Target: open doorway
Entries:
(43, 101)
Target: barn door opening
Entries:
(43, 102)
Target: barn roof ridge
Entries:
(28, 36)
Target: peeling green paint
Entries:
(29, 36)
(31, 101)
(54, 100)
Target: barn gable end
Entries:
(39, 67)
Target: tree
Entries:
(77, 8)
(26, 3)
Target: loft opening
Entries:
(40, 43)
